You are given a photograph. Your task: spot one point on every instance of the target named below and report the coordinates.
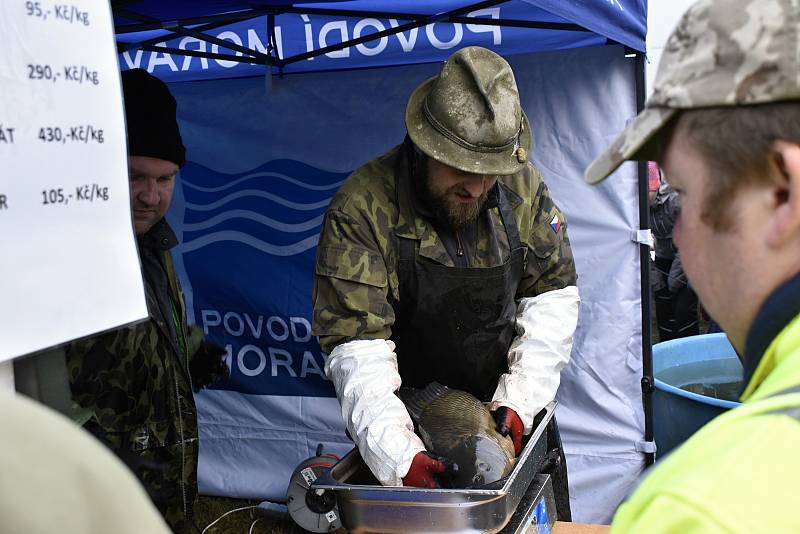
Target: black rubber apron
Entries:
(455, 325)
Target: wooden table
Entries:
(579, 528)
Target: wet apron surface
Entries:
(455, 324)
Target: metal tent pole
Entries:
(644, 263)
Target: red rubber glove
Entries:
(508, 422)
(423, 470)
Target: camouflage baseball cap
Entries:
(469, 116)
(721, 53)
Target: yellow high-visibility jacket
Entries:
(740, 472)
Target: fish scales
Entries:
(456, 425)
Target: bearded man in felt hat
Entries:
(446, 260)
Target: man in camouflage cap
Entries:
(724, 121)
(136, 383)
(446, 260)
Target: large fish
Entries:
(457, 426)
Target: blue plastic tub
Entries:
(704, 364)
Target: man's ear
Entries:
(785, 218)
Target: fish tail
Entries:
(418, 399)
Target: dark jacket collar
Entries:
(778, 310)
(159, 237)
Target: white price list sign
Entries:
(68, 261)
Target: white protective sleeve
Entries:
(365, 376)
(545, 326)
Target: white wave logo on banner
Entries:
(248, 243)
(268, 222)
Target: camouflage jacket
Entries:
(356, 276)
(135, 383)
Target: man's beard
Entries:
(456, 215)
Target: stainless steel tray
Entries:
(366, 507)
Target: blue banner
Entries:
(298, 34)
(261, 226)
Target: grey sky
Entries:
(661, 19)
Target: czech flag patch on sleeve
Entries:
(555, 223)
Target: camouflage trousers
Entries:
(168, 474)
(173, 485)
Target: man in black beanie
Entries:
(135, 384)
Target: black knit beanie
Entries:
(150, 112)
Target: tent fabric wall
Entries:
(254, 430)
(577, 101)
